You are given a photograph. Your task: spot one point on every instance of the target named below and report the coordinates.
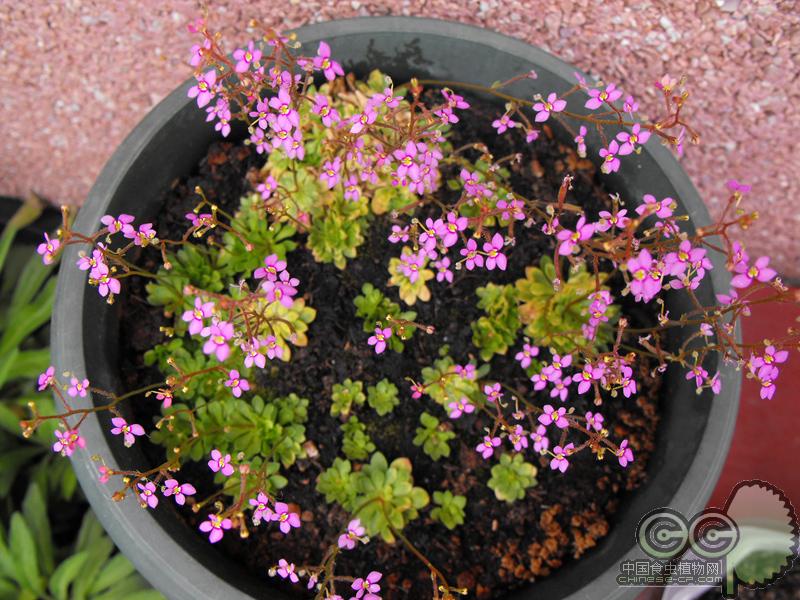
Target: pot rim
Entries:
(136, 532)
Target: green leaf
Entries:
(23, 548)
(34, 509)
(66, 572)
(115, 570)
(11, 462)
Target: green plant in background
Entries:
(26, 300)
(356, 444)
(374, 308)
(554, 317)
(33, 565)
(345, 395)
(511, 477)
(449, 509)
(444, 386)
(433, 436)
(412, 287)
(383, 397)
(193, 265)
(338, 229)
(269, 434)
(235, 257)
(381, 494)
(336, 483)
(497, 331)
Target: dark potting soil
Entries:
(500, 547)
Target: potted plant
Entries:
(384, 345)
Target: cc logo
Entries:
(664, 533)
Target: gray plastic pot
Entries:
(694, 433)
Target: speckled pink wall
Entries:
(77, 75)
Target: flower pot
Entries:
(694, 433)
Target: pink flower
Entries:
(630, 105)
(78, 388)
(399, 234)
(116, 224)
(448, 230)
(625, 454)
(246, 58)
(330, 172)
(322, 107)
(67, 441)
(286, 570)
(47, 379)
(629, 140)
(196, 317)
(282, 105)
(368, 585)
(494, 256)
(214, 527)
(646, 276)
(178, 490)
(253, 355)
(165, 397)
(524, 356)
(518, 438)
(661, 208)
(261, 509)
(218, 335)
(236, 383)
(511, 209)
(461, 407)
(736, 187)
(105, 474)
(196, 52)
(560, 388)
(609, 155)
(266, 188)
(503, 124)
(274, 349)
(205, 89)
(594, 421)
(531, 135)
(766, 375)
(379, 339)
(106, 284)
(286, 519)
(128, 432)
(608, 220)
(545, 107)
(585, 378)
(559, 461)
(493, 393)
(272, 268)
(282, 290)
(580, 139)
(406, 161)
(466, 371)
(540, 441)
(348, 540)
(359, 121)
(443, 272)
(570, 239)
(416, 391)
(48, 249)
(759, 271)
(147, 494)
(411, 263)
(220, 463)
(598, 97)
(487, 446)
(553, 416)
(323, 61)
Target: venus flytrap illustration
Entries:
(362, 202)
